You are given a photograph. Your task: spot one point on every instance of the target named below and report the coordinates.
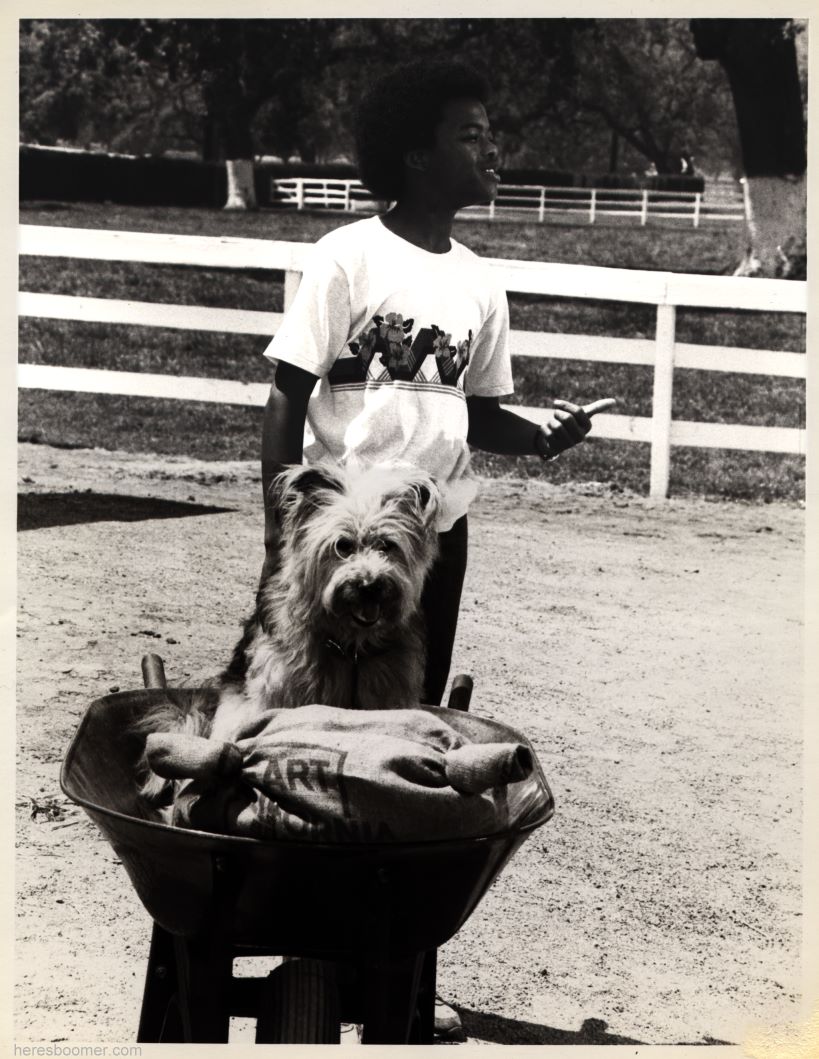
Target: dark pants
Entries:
(440, 602)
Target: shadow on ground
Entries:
(497, 1030)
(493, 1029)
(40, 510)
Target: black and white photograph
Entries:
(412, 614)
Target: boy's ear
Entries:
(417, 158)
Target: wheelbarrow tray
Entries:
(295, 896)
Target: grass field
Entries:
(225, 432)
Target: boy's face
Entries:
(461, 166)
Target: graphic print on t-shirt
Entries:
(387, 351)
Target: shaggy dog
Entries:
(338, 621)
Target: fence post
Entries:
(541, 209)
(661, 400)
(644, 209)
(347, 197)
(492, 210)
(291, 285)
(697, 201)
(746, 199)
(593, 205)
(299, 193)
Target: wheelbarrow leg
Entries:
(205, 962)
(390, 998)
(159, 1018)
(423, 1030)
(389, 984)
(205, 974)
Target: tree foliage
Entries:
(236, 87)
(81, 86)
(642, 79)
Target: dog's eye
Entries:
(344, 547)
(384, 546)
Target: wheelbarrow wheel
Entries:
(299, 1005)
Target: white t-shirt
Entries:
(398, 337)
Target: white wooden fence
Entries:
(305, 192)
(663, 289)
(530, 201)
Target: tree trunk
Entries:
(759, 58)
(227, 138)
(777, 223)
(614, 151)
(241, 184)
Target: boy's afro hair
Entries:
(400, 112)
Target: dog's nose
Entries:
(366, 601)
(370, 591)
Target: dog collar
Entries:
(352, 658)
(345, 652)
(352, 654)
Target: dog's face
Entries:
(359, 543)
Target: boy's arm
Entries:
(498, 430)
(282, 436)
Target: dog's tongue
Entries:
(366, 613)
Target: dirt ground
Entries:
(651, 651)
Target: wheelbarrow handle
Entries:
(460, 693)
(153, 671)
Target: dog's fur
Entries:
(338, 621)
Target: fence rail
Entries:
(514, 200)
(302, 192)
(665, 290)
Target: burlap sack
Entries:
(322, 774)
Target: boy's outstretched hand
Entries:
(570, 423)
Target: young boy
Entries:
(406, 333)
(406, 329)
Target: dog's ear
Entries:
(309, 480)
(421, 495)
(300, 489)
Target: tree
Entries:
(231, 86)
(641, 78)
(242, 66)
(760, 59)
(80, 86)
(568, 93)
(583, 93)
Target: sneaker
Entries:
(448, 1025)
(350, 1033)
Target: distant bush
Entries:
(90, 176)
(662, 182)
(613, 181)
(322, 171)
(674, 183)
(51, 173)
(95, 176)
(550, 178)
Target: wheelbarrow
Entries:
(358, 924)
